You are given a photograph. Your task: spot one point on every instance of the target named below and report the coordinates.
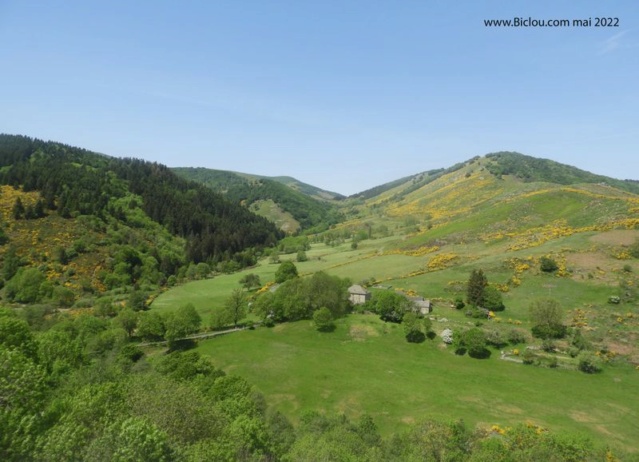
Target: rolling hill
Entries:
(84, 222)
(85, 238)
(424, 235)
(499, 197)
(292, 205)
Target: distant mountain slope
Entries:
(282, 204)
(304, 188)
(222, 179)
(525, 168)
(503, 196)
(530, 169)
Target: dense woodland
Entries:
(313, 215)
(76, 182)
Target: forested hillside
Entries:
(308, 212)
(97, 222)
(531, 169)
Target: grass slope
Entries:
(426, 236)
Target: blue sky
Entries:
(344, 95)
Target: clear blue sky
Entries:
(343, 94)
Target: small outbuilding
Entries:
(421, 305)
(358, 295)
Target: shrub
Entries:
(516, 336)
(323, 320)
(493, 300)
(495, 338)
(472, 341)
(579, 341)
(548, 346)
(63, 296)
(548, 265)
(528, 357)
(131, 352)
(573, 352)
(549, 331)
(547, 316)
(477, 313)
(589, 363)
(413, 328)
(553, 362)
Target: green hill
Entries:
(531, 169)
(500, 196)
(292, 205)
(96, 234)
(90, 223)
(425, 235)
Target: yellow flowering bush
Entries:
(441, 261)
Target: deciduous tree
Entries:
(184, 321)
(236, 306)
(323, 320)
(250, 280)
(287, 270)
(413, 328)
(546, 316)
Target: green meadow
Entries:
(366, 366)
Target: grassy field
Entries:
(366, 366)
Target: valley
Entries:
(94, 284)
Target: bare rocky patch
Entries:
(616, 237)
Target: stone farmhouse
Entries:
(358, 295)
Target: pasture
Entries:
(366, 366)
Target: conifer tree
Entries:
(18, 209)
(477, 284)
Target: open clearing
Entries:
(366, 366)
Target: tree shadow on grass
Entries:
(182, 345)
(330, 328)
(479, 354)
(416, 337)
